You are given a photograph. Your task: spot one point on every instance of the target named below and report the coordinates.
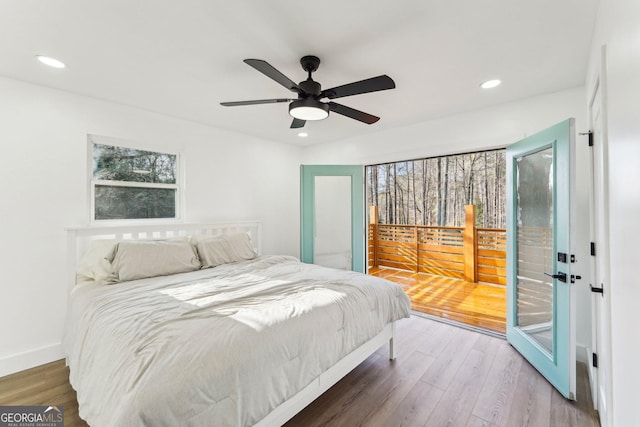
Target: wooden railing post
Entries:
(417, 247)
(373, 221)
(469, 237)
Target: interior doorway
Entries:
(332, 216)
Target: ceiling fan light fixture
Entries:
(309, 109)
(308, 105)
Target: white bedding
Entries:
(221, 346)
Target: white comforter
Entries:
(222, 346)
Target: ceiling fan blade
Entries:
(297, 123)
(353, 113)
(255, 102)
(373, 84)
(269, 70)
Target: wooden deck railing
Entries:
(470, 253)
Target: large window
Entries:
(129, 183)
(434, 191)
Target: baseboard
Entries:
(583, 354)
(30, 359)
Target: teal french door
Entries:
(540, 307)
(332, 216)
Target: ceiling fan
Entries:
(308, 105)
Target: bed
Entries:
(231, 337)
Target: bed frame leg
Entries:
(392, 349)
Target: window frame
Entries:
(93, 183)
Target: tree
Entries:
(445, 193)
(434, 191)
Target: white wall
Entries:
(483, 129)
(618, 28)
(494, 127)
(43, 189)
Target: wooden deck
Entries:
(477, 304)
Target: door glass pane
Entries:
(534, 209)
(332, 243)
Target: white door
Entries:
(599, 376)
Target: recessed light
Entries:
(303, 134)
(52, 62)
(490, 84)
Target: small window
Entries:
(129, 183)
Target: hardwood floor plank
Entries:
(386, 398)
(452, 358)
(489, 344)
(531, 400)
(478, 422)
(437, 340)
(413, 334)
(455, 406)
(44, 385)
(416, 407)
(382, 395)
(494, 402)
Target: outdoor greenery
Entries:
(140, 176)
(434, 191)
(128, 164)
(134, 203)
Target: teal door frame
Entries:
(308, 174)
(559, 365)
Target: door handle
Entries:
(560, 276)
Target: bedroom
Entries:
(45, 129)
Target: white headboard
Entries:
(79, 238)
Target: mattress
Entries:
(221, 346)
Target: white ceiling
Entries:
(182, 58)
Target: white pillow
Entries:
(217, 250)
(93, 267)
(213, 251)
(137, 259)
(240, 246)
